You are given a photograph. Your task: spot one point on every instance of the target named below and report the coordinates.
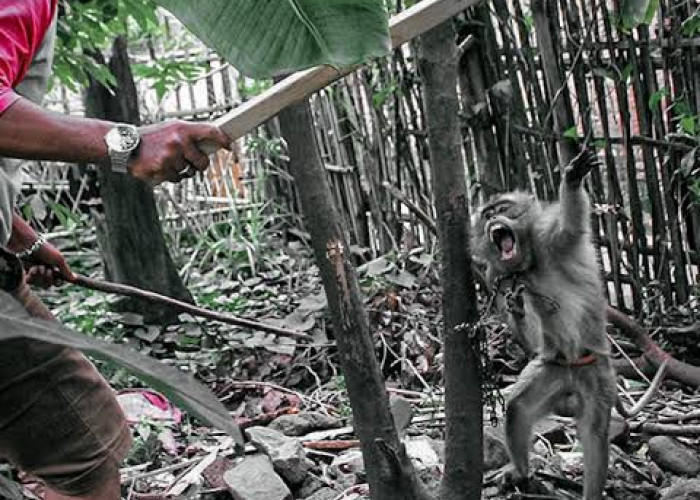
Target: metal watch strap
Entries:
(119, 161)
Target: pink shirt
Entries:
(23, 24)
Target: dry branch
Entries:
(678, 370)
(131, 291)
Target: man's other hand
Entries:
(51, 267)
(168, 149)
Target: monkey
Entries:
(542, 268)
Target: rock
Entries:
(323, 494)
(551, 430)
(570, 462)
(431, 478)
(255, 479)
(495, 452)
(619, 430)
(287, 454)
(310, 486)
(421, 451)
(673, 456)
(303, 423)
(685, 489)
(349, 462)
(402, 411)
(439, 447)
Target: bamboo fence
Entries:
(531, 75)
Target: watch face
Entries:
(122, 138)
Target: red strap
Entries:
(586, 360)
(589, 359)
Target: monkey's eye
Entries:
(502, 209)
(488, 213)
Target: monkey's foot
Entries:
(511, 480)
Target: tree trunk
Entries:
(390, 473)
(129, 232)
(464, 420)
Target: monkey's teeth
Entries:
(492, 231)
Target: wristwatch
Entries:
(121, 140)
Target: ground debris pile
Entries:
(289, 395)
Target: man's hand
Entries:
(48, 264)
(50, 269)
(167, 149)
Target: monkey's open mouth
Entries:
(504, 239)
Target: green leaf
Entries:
(656, 97)
(571, 133)
(182, 389)
(266, 37)
(636, 12)
(626, 72)
(691, 26)
(689, 125)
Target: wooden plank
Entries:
(404, 27)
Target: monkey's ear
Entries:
(475, 216)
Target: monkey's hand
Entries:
(515, 301)
(580, 166)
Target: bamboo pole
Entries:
(403, 27)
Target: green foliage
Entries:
(250, 87)
(85, 28)
(695, 189)
(265, 38)
(166, 74)
(656, 97)
(636, 12)
(691, 26)
(528, 21)
(380, 96)
(88, 28)
(689, 124)
(687, 121)
(571, 133)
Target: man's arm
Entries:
(28, 131)
(53, 265)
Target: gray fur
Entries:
(551, 294)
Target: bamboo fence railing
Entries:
(532, 74)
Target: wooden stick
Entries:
(132, 291)
(404, 27)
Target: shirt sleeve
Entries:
(7, 98)
(22, 28)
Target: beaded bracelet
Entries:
(32, 249)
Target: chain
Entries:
(476, 334)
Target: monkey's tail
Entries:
(647, 397)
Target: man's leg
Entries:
(59, 419)
(110, 489)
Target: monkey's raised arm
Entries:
(574, 217)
